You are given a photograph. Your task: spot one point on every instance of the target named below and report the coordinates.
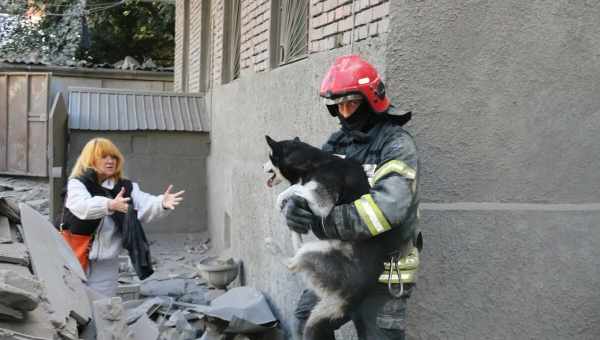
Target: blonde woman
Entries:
(98, 197)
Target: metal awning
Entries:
(103, 109)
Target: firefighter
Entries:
(372, 135)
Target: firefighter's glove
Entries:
(298, 215)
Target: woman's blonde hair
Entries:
(93, 151)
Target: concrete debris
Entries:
(178, 288)
(176, 303)
(7, 313)
(144, 329)
(7, 334)
(185, 330)
(169, 287)
(5, 233)
(33, 191)
(147, 308)
(14, 253)
(5, 188)
(10, 209)
(212, 294)
(19, 292)
(110, 319)
(65, 289)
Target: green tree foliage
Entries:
(80, 32)
(138, 29)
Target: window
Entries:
(205, 46)
(232, 37)
(289, 29)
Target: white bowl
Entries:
(219, 273)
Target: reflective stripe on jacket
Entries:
(389, 211)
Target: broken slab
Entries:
(19, 292)
(7, 334)
(36, 325)
(109, 316)
(14, 253)
(9, 209)
(144, 329)
(7, 313)
(147, 308)
(245, 306)
(65, 290)
(168, 287)
(5, 234)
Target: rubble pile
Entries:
(32, 191)
(43, 293)
(177, 302)
(26, 309)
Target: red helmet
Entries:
(350, 76)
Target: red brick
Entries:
(362, 32)
(315, 46)
(330, 29)
(331, 17)
(316, 9)
(384, 25)
(346, 38)
(315, 34)
(329, 5)
(340, 12)
(381, 11)
(345, 24)
(374, 28)
(364, 17)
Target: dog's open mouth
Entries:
(271, 179)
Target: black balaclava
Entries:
(361, 121)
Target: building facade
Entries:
(504, 96)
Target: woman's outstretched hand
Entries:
(171, 200)
(119, 203)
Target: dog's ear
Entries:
(271, 142)
(297, 139)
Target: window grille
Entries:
(290, 31)
(232, 37)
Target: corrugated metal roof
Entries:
(124, 110)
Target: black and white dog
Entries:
(339, 272)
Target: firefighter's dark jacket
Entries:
(390, 210)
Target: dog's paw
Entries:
(292, 266)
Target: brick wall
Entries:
(217, 41)
(330, 26)
(255, 34)
(331, 22)
(195, 45)
(179, 46)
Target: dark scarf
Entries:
(364, 119)
(360, 122)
